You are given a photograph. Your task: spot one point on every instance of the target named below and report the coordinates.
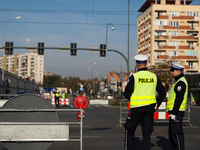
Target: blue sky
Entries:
(61, 22)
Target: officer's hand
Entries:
(173, 117)
(155, 108)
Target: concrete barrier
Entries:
(98, 102)
(2, 102)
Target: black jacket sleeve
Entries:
(161, 92)
(179, 89)
(129, 88)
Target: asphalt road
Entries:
(101, 131)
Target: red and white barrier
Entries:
(161, 112)
(62, 101)
(46, 96)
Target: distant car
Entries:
(110, 97)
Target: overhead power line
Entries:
(75, 23)
(71, 11)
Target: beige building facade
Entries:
(168, 31)
(28, 65)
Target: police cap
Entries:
(176, 66)
(141, 59)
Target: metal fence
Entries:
(124, 110)
(13, 84)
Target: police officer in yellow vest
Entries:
(141, 91)
(57, 93)
(64, 95)
(176, 106)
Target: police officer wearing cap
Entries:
(141, 91)
(57, 93)
(176, 106)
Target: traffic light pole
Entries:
(88, 49)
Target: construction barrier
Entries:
(161, 113)
(123, 111)
(159, 116)
(46, 96)
(30, 122)
(62, 101)
(99, 102)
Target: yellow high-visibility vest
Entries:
(64, 94)
(57, 93)
(172, 96)
(144, 89)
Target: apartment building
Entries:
(168, 31)
(25, 65)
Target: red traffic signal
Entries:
(81, 102)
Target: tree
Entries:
(70, 82)
(162, 70)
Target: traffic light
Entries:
(119, 84)
(9, 48)
(103, 50)
(73, 51)
(40, 48)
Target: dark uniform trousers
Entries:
(132, 121)
(57, 101)
(175, 132)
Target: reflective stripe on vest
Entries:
(172, 96)
(144, 89)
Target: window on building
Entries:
(173, 13)
(159, 53)
(174, 33)
(192, 13)
(190, 64)
(173, 43)
(173, 23)
(172, 53)
(159, 43)
(192, 53)
(160, 22)
(191, 45)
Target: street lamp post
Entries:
(128, 37)
(92, 79)
(21, 42)
(107, 33)
(100, 69)
(5, 46)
